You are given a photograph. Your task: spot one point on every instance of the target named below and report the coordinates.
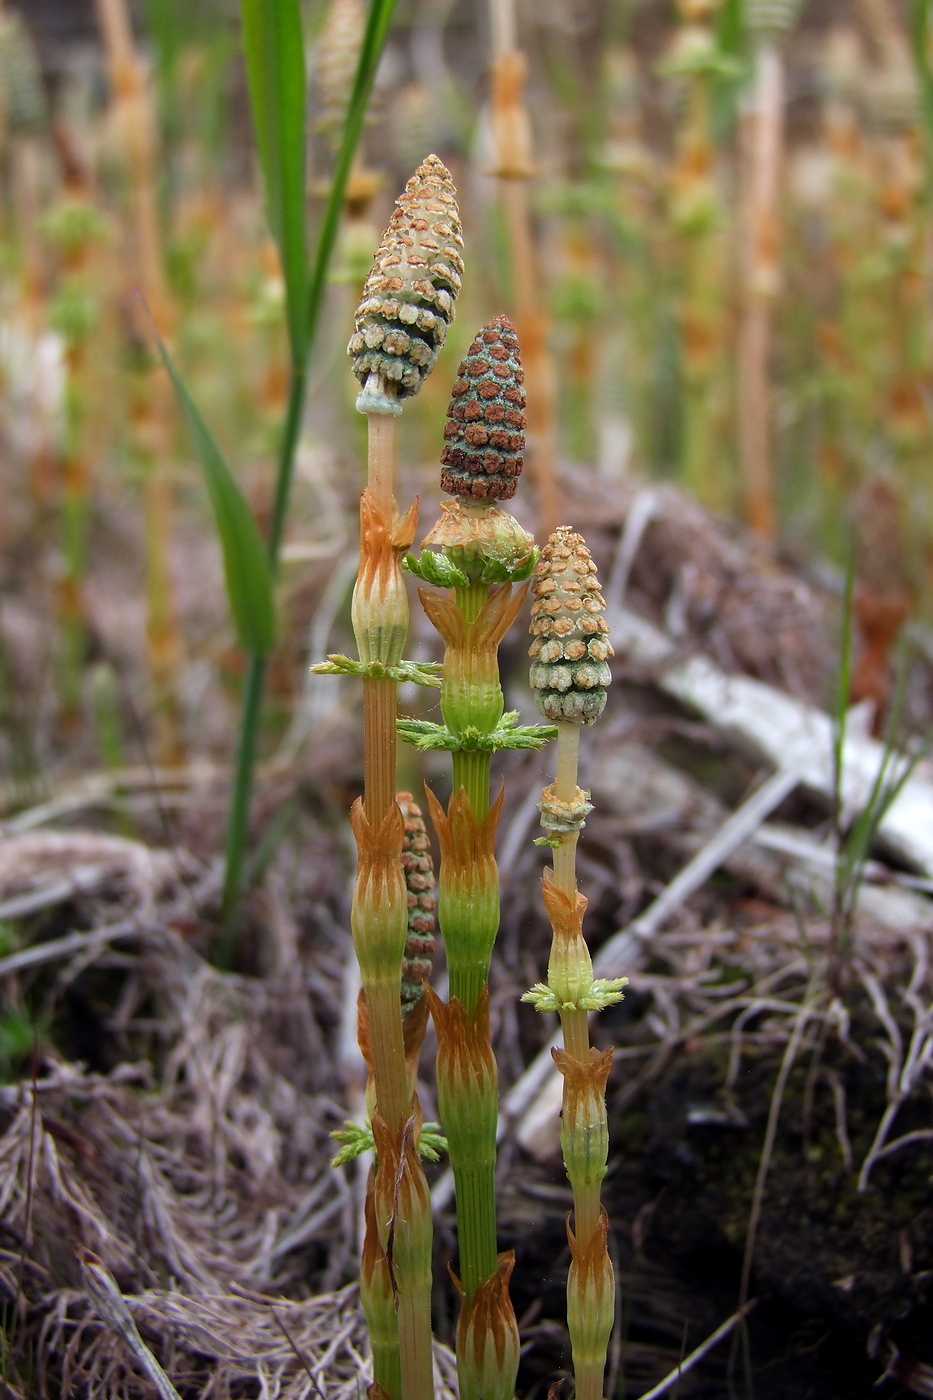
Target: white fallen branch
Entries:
(690, 1361)
(785, 731)
(55, 948)
(84, 880)
(737, 829)
(112, 1308)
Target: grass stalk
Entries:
(377, 27)
(754, 349)
(251, 704)
(761, 277)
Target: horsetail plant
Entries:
(569, 676)
(480, 553)
(407, 304)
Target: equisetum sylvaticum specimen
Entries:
(407, 304)
(484, 559)
(569, 676)
(480, 553)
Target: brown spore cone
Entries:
(484, 437)
(570, 651)
(410, 295)
(418, 865)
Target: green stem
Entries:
(471, 599)
(476, 1223)
(467, 981)
(416, 1355)
(471, 772)
(286, 467)
(254, 688)
(238, 817)
(387, 1366)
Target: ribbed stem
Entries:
(471, 599)
(588, 1375)
(379, 709)
(565, 790)
(467, 981)
(588, 1380)
(387, 1368)
(381, 463)
(415, 1344)
(471, 772)
(388, 1051)
(476, 1224)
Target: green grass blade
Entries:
(246, 564)
(731, 41)
(843, 686)
(273, 40)
(378, 20)
(920, 44)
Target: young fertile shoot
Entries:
(569, 676)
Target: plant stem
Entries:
(286, 466)
(589, 1366)
(575, 1024)
(254, 687)
(379, 707)
(476, 1225)
(467, 983)
(381, 459)
(471, 599)
(763, 161)
(390, 1075)
(238, 818)
(565, 790)
(471, 772)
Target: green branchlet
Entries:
(596, 995)
(432, 567)
(508, 734)
(357, 1138)
(480, 542)
(418, 672)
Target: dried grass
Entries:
(197, 1168)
